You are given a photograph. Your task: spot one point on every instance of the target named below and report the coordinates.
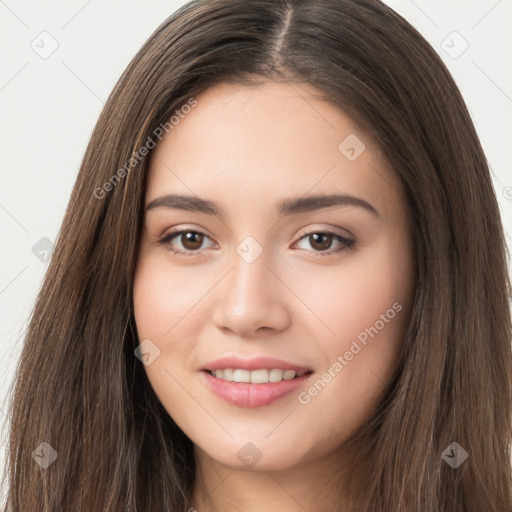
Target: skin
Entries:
(246, 148)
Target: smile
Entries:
(261, 376)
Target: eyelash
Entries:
(166, 239)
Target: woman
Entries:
(333, 333)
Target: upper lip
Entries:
(256, 363)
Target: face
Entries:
(299, 307)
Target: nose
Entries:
(251, 300)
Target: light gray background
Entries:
(50, 105)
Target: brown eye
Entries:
(184, 242)
(321, 241)
(191, 240)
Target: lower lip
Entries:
(245, 394)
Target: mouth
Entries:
(253, 382)
(259, 376)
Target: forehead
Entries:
(249, 144)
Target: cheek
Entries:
(352, 296)
(168, 311)
(365, 303)
(161, 308)
(165, 297)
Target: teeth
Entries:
(228, 374)
(242, 376)
(259, 376)
(254, 376)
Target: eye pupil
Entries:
(189, 239)
(325, 236)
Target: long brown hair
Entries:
(79, 386)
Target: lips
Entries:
(249, 393)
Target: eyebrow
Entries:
(285, 207)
